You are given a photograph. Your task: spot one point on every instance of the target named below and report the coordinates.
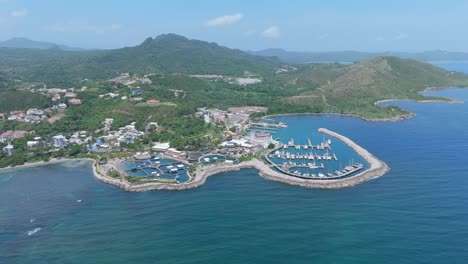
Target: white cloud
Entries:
(272, 32)
(79, 27)
(19, 13)
(224, 20)
(401, 36)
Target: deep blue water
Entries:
(417, 213)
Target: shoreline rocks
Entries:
(377, 168)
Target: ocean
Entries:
(417, 213)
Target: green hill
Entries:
(25, 43)
(168, 54)
(354, 89)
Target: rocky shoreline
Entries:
(377, 168)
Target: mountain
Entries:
(295, 57)
(170, 53)
(354, 89)
(25, 43)
(167, 54)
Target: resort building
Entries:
(161, 147)
(60, 141)
(8, 149)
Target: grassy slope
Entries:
(356, 89)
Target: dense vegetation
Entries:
(164, 54)
(314, 88)
(354, 89)
(15, 100)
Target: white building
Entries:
(32, 144)
(161, 147)
(8, 149)
(60, 141)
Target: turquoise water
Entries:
(302, 128)
(180, 175)
(417, 213)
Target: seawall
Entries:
(377, 168)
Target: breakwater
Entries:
(377, 168)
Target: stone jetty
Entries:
(377, 168)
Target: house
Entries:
(34, 111)
(56, 97)
(10, 135)
(75, 101)
(153, 101)
(60, 141)
(70, 95)
(161, 147)
(8, 149)
(32, 144)
(16, 115)
(136, 92)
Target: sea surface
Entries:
(417, 213)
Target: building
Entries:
(34, 111)
(56, 97)
(136, 92)
(161, 147)
(75, 101)
(12, 134)
(70, 95)
(153, 101)
(32, 144)
(60, 141)
(8, 149)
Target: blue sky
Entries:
(397, 25)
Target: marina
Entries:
(310, 161)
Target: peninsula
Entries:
(151, 117)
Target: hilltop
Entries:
(166, 54)
(171, 60)
(355, 88)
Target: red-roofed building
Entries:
(12, 134)
(153, 101)
(75, 101)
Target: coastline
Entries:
(42, 163)
(384, 119)
(377, 168)
(390, 119)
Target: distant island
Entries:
(172, 111)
